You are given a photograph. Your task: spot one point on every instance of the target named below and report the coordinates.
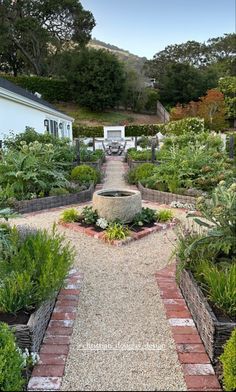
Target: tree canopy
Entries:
(31, 30)
(95, 76)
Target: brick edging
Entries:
(48, 373)
(198, 371)
(133, 237)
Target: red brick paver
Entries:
(48, 373)
(91, 232)
(198, 372)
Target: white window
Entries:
(53, 128)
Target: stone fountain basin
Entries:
(122, 204)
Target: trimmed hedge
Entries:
(130, 130)
(145, 129)
(52, 90)
(89, 132)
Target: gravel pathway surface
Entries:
(121, 338)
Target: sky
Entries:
(145, 27)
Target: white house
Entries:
(20, 108)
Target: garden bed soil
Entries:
(12, 319)
(214, 327)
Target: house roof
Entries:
(27, 94)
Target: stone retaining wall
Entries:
(44, 203)
(164, 197)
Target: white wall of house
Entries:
(16, 115)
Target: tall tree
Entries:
(36, 28)
(181, 83)
(212, 108)
(227, 86)
(95, 76)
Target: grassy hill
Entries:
(110, 117)
(132, 60)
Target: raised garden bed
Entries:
(164, 197)
(30, 334)
(135, 234)
(132, 163)
(26, 206)
(214, 332)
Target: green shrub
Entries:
(140, 173)
(84, 174)
(89, 216)
(219, 213)
(70, 215)
(218, 282)
(193, 166)
(34, 270)
(58, 192)
(11, 363)
(145, 155)
(186, 125)
(164, 215)
(145, 129)
(228, 360)
(116, 231)
(52, 90)
(33, 169)
(91, 156)
(146, 216)
(86, 131)
(144, 142)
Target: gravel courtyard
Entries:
(121, 338)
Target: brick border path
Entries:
(198, 372)
(48, 373)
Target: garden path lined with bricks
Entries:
(122, 339)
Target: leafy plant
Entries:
(11, 364)
(32, 169)
(218, 282)
(146, 216)
(164, 215)
(89, 216)
(228, 360)
(58, 192)
(70, 215)
(34, 270)
(116, 231)
(141, 172)
(220, 220)
(84, 174)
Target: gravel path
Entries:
(121, 338)
(114, 173)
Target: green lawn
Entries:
(82, 115)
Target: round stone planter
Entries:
(121, 204)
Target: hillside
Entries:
(132, 60)
(84, 116)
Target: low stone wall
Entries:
(164, 197)
(44, 203)
(31, 335)
(214, 333)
